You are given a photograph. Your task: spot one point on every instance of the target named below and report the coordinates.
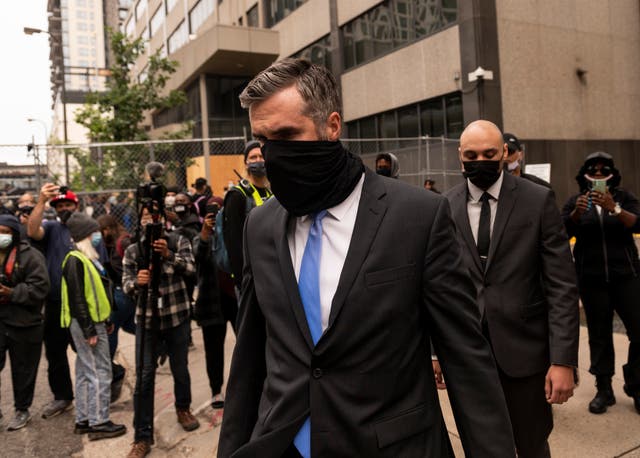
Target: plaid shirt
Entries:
(174, 302)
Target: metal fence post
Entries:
(445, 175)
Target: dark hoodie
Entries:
(29, 281)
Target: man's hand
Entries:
(143, 277)
(161, 246)
(48, 192)
(559, 384)
(438, 373)
(5, 291)
(92, 341)
(171, 216)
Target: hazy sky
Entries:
(24, 79)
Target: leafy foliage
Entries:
(116, 115)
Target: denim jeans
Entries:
(93, 376)
(122, 316)
(177, 343)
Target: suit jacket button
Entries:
(317, 372)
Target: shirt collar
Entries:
(494, 190)
(339, 211)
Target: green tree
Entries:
(116, 115)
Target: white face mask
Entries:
(511, 166)
(5, 241)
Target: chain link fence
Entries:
(105, 176)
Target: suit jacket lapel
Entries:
(506, 202)
(461, 215)
(371, 211)
(281, 229)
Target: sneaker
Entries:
(218, 401)
(187, 420)
(81, 428)
(106, 430)
(19, 421)
(56, 407)
(140, 449)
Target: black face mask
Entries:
(385, 172)
(482, 173)
(257, 169)
(309, 176)
(64, 216)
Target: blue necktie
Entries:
(309, 287)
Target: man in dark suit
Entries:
(518, 255)
(347, 277)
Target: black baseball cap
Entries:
(513, 144)
(200, 182)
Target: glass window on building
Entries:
(82, 51)
(392, 24)
(81, 3)
(318, 53)
(156, 21)
(226, 116)
(141, 7)
(83, 40)
(432, 118)
(200, 13)
(130, 27)
(440, 116)
(253, 18)
(81, 14)
(178, 38)
(277, 10)
(170, 5)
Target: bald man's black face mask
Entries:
(309, 176)
(482, 173)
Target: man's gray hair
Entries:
(315, 83)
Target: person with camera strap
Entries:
(249, 193)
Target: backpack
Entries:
(220, 253)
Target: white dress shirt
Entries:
(474, 206)
(337, 229)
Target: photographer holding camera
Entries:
(56, 243)
(24, 284)
(167, 320)
(216, 302)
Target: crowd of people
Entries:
(339, 282)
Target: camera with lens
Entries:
(63, 189)
(4, 281)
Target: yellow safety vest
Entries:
(255, 195)
(94, 292)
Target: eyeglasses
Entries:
(604, 169)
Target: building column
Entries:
(478, 28)
(204, 116)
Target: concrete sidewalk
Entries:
(577, 433)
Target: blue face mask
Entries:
(5, 240)
(96, 238)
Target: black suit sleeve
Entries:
(235, 213)
(559, 282)
(464, 354)
(248, 366)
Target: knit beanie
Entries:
(81, 226)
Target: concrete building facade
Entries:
(563, 73)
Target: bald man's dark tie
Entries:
(484, 229)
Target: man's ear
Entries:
(333, 128)
(460, 158)
(505, 151)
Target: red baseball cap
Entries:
(68, 196)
